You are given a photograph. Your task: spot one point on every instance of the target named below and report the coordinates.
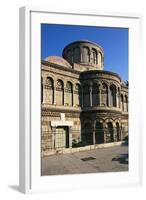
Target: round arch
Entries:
(59, 92)
(69, 93)
(113, 92)
(110, 132)
(49, 92)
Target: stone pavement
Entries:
(111, 159)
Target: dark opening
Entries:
(67, 136)
(99, 134)
(88, 134)
(111, 131)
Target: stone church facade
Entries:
(82, 105)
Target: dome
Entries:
(58, 60)
(84, 52)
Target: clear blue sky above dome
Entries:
(114, 42)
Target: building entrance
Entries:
(62, 137)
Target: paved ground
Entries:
(109, 159)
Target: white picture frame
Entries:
(29, 160)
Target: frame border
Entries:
(25, 87)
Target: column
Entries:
(90, 91)
(100, 95)
(82, 97)
(94, 129)
(70, 137)
(117, 100)
(104, 132)
(127, 104)
(81, 55)
(89, 55)
(64, 96)
(74, 96)
(123, 103)
(109, 95)
(54, 93)
(53, 137)
(115, 133)
(121, 135)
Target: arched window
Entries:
(59, 92)
(110, 132)
(69, 86)
(126, 102)
(113, 95)
(50, 90)
(77, 88)
(122, 102)
(94, 56)
(76, 54)
(104, 94)
(100, 58)
(99, 133)
(69, 93)
(85, 55)
(49, 83)
(118, 132)
(95, 94)
(88, 134)
(69, 56)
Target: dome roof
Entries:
(58, 60)
(82, 42)
(85, 53)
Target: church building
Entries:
(83, 106)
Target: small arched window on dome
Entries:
(69, 56)
(94, 56)
(76, 54)
(100, 58)
(85, 55)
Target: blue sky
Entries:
(114, 41)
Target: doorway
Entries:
(62, 137)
